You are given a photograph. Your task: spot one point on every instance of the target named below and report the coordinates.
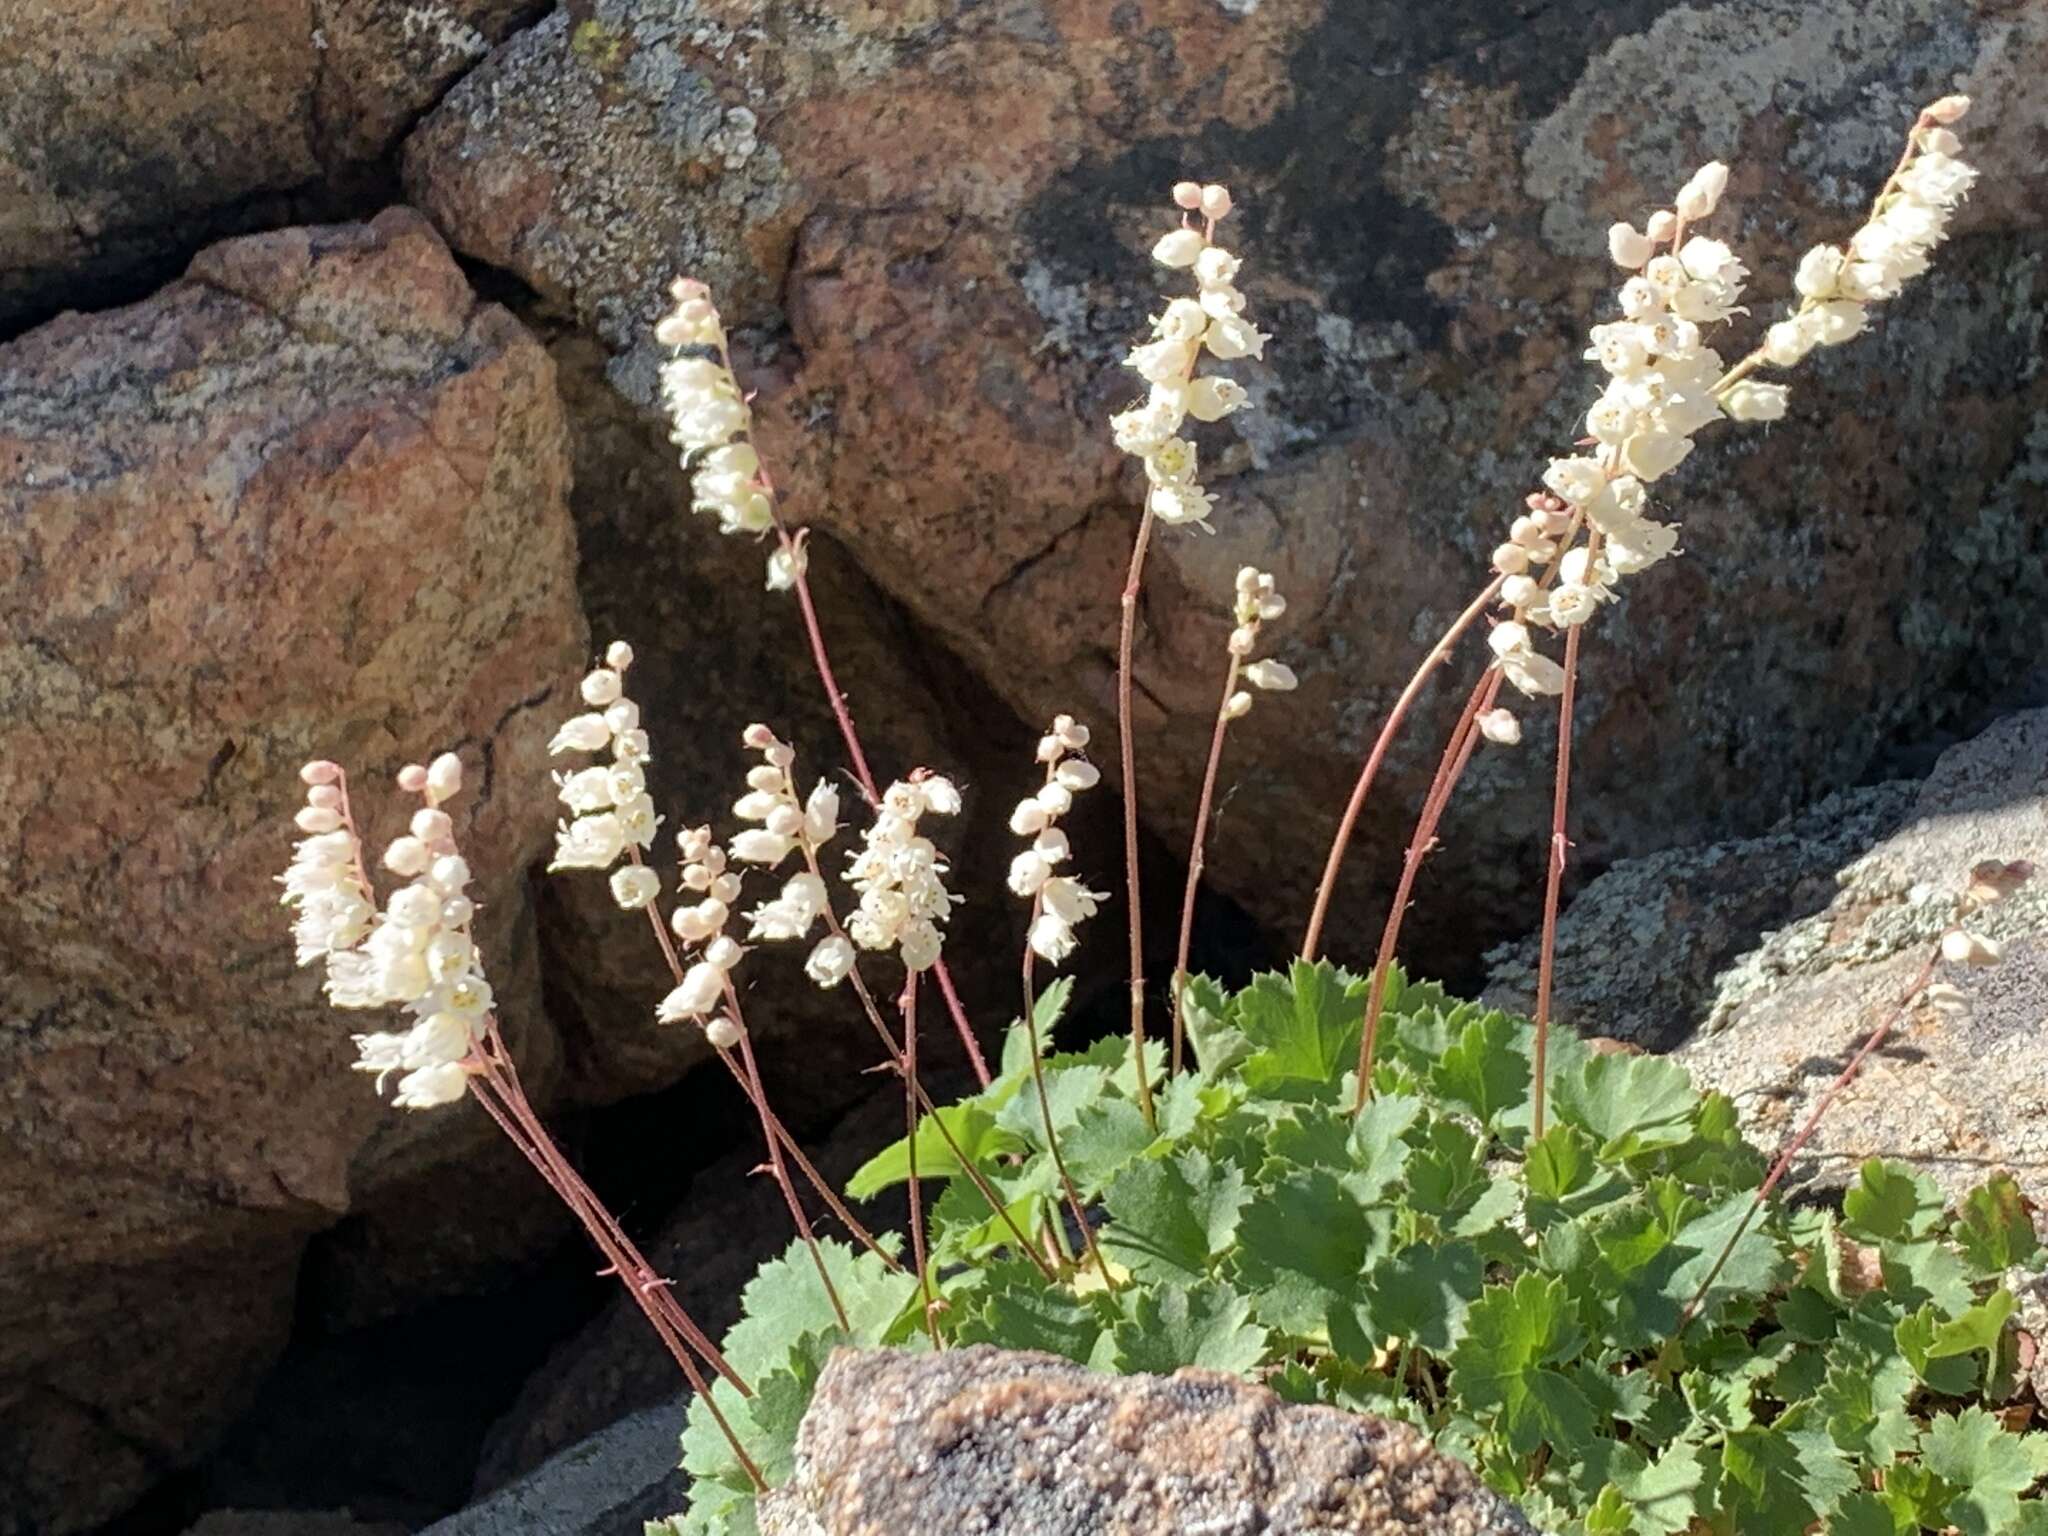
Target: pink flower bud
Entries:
(1662, 225)
(1187, 194)
(320, 771)
(326, 796)
(1950, 109)
(412, 778)
(1215, 201)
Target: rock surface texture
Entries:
(931, 224)
(998, 1443)
(309, 500)
(1955, 1097)
(134, 131)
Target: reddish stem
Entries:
(1457, 753)
(1196, 860)
(1793, 1147)
(1126, 643)
(1554, 884)
(907, 1006)
(1052, 1141)
(792, 545)
(1349, 824)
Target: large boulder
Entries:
(1017, 1444)
(134, 131)
(930, 225)
(309, 500)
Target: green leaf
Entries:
(1304, 1242)
(1665, 1495)
(1422, 1294)
(1929, 1271)
(1514, 1338)
(1046, 1012)
(1994, 1228)
(1486, 1070)
(1303, 1028)
(1207, 1324)
(1170, 1217)
(1865, 1514)
(1069, 1090)
(777, 1407)
(1609, 1514)
(1208, 1017)
(1945, 1374)
(972, 1126)
(1630, 1104)
(1977, 1329)
(1889, 1200)
(1015, 1308)
(1106, 1136)
(1989, 1465)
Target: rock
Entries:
(1640, 949)
(309, 500)
(732, 1221)
(930, 227)
(134, 131)
(603, 1486)
(1955, 1098)
(1015, 1444)
(289, 1522)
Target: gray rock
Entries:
(607, 1485)
(1955, 1097)
(986, 1442)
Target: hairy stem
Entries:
(1348, 825)
(1052, 1141)
(1457, 753)
(1196, 860)
(1126, 643)
(759, 1095)
(1793, 1147)
(907, 1006)
(1546, 965)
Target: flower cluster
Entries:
(610, 807)
(1837, 284)
(787, 825)
(416, 953)
(710, 422)
(900, 875)
(1257, 600)
(324, 884)
(702, 924)
(1990, 883)
(1058, 902)
(1212, 320)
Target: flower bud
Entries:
(1698, 197)
(618, 655)
(1949, 110)
(1661, 225)
(1500, 727)
(320, 771)
(722, 1033)
(1188, 195)
(412, 778)
(1179, 249)
(1237, 706)
(1272, 676)
(1961, 947)
(1629, 247)
(1215, 201)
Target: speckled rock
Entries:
(289, 1522)
(930, 223)
(1641, 949)
(1953, 1097)
(310, 500)
(987, 1442)
(133, 131)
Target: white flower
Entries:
(1029, 871)
(940, 795)
(1698, 197)
(831, 962)
(1640, 545)
(1653, 455)
(1839, 321)
(1572, 604)
(634, 886)
(1271, 676)
(589, 842)
(785, 563)
(1961, 947)
(1173, 462)
(1628, 246)
(757, 845)
(1180, 504)
(581, 733)
(1211, 399)
(1237, 706)
(1500, 727)
(587, 789)
(1051, 937)
(1159, 361)
(1533, 673)
(1216, 268)
(1819, 270)
(1231, 336)
(430, 1087)
(1751, 401)
(1787, 342)
(702, 987)
(722, 1034)
(1182, 248)
(1577, 480)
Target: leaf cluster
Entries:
(1604, 1321)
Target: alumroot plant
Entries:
(1357, 1188)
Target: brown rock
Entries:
(931, 222)
(309, 500)
(132, 131)
(1014, 1444)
